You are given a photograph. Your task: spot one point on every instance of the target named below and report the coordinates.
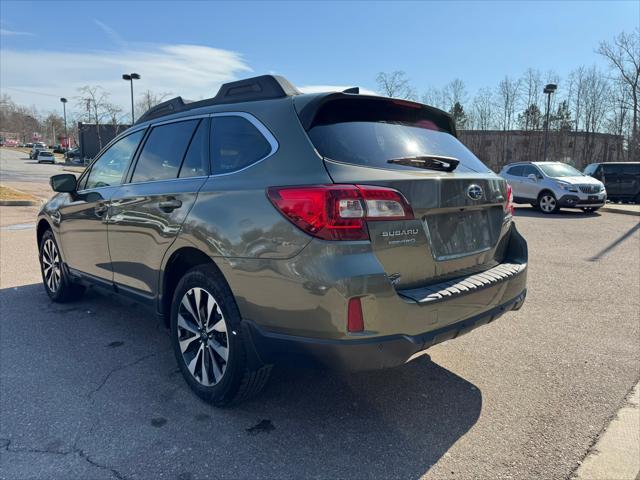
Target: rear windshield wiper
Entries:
(431, 162)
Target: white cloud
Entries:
(10, 33)
(38, 77)
(333, 88)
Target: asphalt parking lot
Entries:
(91, 389)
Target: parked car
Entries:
(35, 149)
(550, 186)
(45, 156)
(72, 154)
(621, 179)
(263, 225)
(59, 149)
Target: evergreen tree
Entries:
(459, 117)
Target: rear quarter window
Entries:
(236, 143)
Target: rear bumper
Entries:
(366, 353)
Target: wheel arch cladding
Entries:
(43, 226)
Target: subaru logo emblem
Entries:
(474, 192)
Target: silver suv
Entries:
(554, 185)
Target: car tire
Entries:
(57, 284)
(208, 340)
(547, 203)
(590, 209)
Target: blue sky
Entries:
(189, 48)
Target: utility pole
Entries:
(548, 90)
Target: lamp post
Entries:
(64, 110)
(130, 77)
(548, 90)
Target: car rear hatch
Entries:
(460, 222)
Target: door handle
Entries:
(170, 205)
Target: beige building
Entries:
(497, 147)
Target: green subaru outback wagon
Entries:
(266, 226)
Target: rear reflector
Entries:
(509, 207)
(339, 212)
(355, 322)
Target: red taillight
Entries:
(509, 206)
(355, 321)
(339, 212)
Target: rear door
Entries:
(147, 213)
(630, 179)
(460, 224)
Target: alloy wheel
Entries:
(202, 335)
(51, 265)
(547, 203)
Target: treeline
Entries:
(91, 105)
(589, 100)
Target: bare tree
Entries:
(435, 97)
(624, 57)
(149, 99)
(455, 92)
(482, 110)
(508, 99)
(96, 102)
(395, 84)
(594, 110)
(532, 91)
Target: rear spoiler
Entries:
(308, 107)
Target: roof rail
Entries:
(263, 87)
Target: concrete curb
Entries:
(621, 211)
(616, 453)
(19, 203)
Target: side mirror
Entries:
(65, 182)
(532, 177)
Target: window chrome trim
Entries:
(164, 180)
(264, 131)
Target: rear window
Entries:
(371, 132)
(516, 171)
(46, 154)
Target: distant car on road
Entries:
(550, 186)
(35, 149)
(59, 149)
(72, 154)
(45, 156)
(621, 179)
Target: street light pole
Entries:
(548, 90)
(130, 77)
(64, 110)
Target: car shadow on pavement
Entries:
(111, 388)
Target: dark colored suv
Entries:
(266, 226)
(621, 179)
